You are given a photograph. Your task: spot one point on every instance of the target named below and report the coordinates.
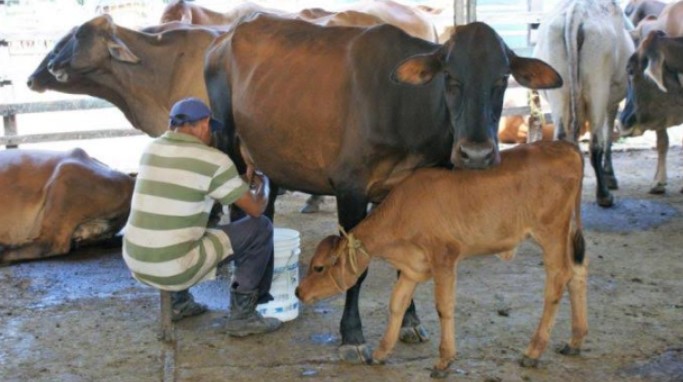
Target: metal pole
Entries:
(10, 122)
(459, 12)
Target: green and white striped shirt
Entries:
(166, 242)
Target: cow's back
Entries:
(543, 178)
(23, 176)
(323, 96)
(587, 43)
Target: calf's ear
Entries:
(418, 70)
(119, 51)
(533, 73)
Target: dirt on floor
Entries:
(82, 317)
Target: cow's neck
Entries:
(150, 86)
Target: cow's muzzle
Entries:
(475, 155)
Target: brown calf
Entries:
(437, 217)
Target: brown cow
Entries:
(143, 74)
(436, 217)
(189, 13)
(55, 200)
(324, 111)
(412, 20)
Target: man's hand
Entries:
(255, 201)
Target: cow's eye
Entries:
(318, 269)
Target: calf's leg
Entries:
(444, 294)
(400, 299)
(412, 331)
(557, 273)
(577, 296)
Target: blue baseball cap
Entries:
(190, 110)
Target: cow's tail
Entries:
(572, 36)
(578, 241)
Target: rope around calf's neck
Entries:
(354, 246)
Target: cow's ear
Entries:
(119, 51)
(533, 73)
(419, 69)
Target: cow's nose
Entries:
(29, 82)
(475, 155)
(296, 293)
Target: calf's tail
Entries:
(578, 242)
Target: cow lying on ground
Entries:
(324, 111)
(435, 218)
(54, 200)
(586, 41)
(656, 102)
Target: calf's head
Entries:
(334, 268)
(472, 68)
(92, 47)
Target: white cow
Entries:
(587, 43)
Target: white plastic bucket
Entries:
(285, 305)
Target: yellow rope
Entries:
(354, 246)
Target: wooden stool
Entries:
(166, 332)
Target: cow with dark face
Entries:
(350, 112)
(656, 97)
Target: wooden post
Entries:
(10, 121)
(166, 333)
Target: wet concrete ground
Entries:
(81, 317)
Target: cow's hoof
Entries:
(414, 334)
(659, 189)
(568, 350)
(310, 208)
(439, 374)
(356, 354)
(527, 361)
(606, 201)
(612, 183)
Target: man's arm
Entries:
(254, 201)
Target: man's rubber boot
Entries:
(244, 320)
(184, 305)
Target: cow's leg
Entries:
(557, 273)
(412, 331)
(610, 178)
(400, 299)
(351, 209)
(312, 204)
(597, 151)
(660, 176)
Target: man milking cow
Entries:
(167, 244)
